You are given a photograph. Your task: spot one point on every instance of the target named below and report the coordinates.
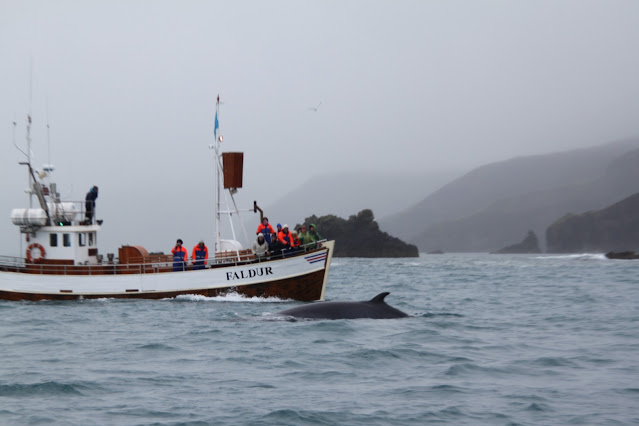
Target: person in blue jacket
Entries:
(89, 204)
(200, 255)
(180, 256)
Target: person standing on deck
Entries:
(89, 204)
(200, 255)
(265, 229)
(180, 256)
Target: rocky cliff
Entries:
(360, 236)
(614, 228)
(530, 244)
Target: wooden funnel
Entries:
(232, 163)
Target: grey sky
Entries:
(404, 85)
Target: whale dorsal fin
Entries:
(380, 297)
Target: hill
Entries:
(494, 205)
(614, 228)
(359, 236)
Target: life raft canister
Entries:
(38, 247)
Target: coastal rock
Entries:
(612, 229)
(360, 236)
(626, 255)
(530, 244)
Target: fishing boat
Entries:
(62, 259)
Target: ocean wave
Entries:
(157, 346)
(469, 369)
(535, 406)
(40, 389)
(439, 314)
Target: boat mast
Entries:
(220, 186)
(32, 180)
(28, 153)
(217, 175)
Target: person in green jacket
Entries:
(303, 236)
(315, 236)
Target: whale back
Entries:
(375, 308)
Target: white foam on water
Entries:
(229, 297)
(579, 256)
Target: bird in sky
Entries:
(315, 108)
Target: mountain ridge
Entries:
(502, 208)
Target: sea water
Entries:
(492, 339)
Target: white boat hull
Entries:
(300, 277)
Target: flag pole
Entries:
(217, 177)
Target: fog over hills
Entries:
(496, 204)
(345, 194)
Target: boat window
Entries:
(82, 239)
(53, 240)
(91, 239)
(66, 240)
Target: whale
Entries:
(375, 308)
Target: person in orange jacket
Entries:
(200, 255)
(265, 229)
(180, 256)
(285, 237)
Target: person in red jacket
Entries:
(200, 255)
(296, 241)
(180, 256)
(265, 229)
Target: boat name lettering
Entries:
(250, 273)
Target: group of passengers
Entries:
(181, 257)
(268, 243)
(283, 241)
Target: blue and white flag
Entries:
(217, 126)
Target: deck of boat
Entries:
(134, 261)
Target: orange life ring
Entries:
(39, 258)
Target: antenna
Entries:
(48, 133)
(14, 139)
(30, 84)
(48, 168)
(31, 177)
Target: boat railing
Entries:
(287, 252)
(147, 265)
(12, 262)
(231, 256)
(69, 212)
